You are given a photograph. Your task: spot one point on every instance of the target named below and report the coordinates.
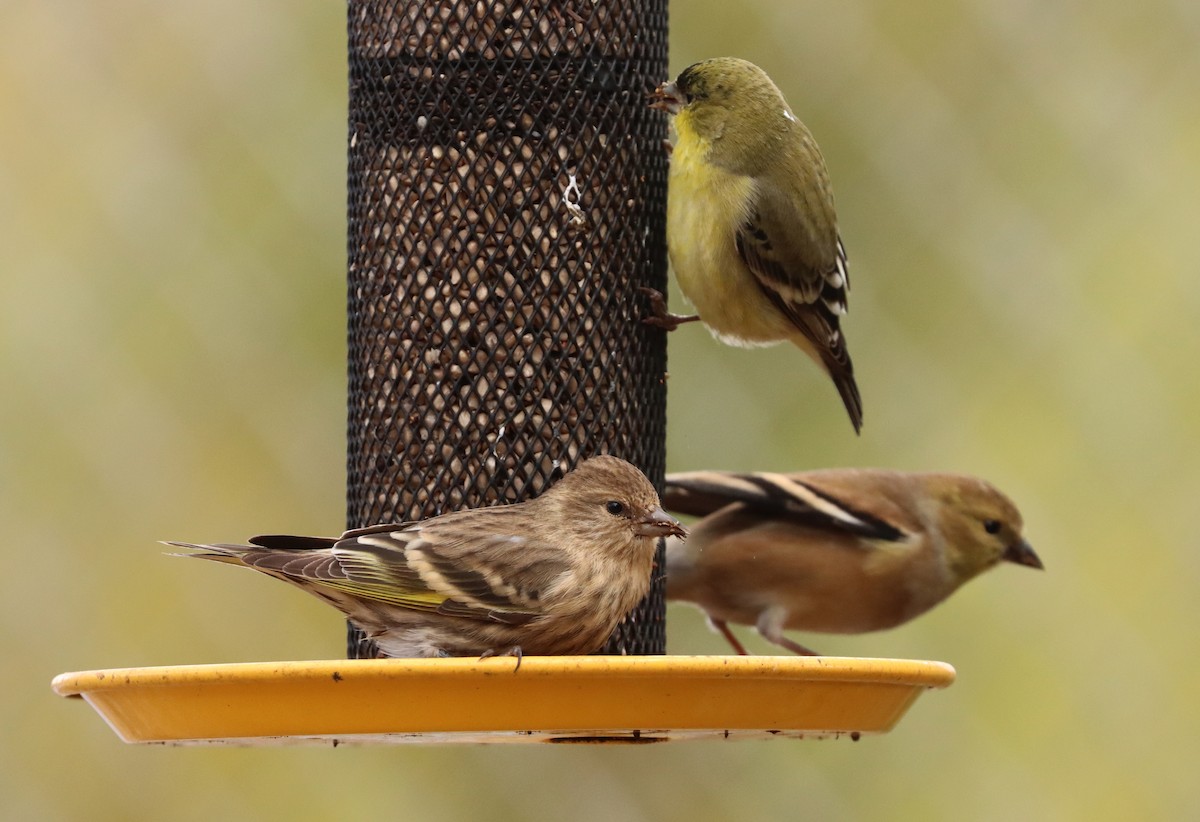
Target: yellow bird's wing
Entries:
(799, 262)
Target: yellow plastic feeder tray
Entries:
(599, 699)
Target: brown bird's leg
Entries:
(513, 651)
(720, 627)
(660, 317)
(770, 626)
(795, 647)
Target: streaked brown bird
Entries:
(841, 551)
(553, 575)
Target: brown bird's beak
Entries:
(1022, 554)
(659, 524)
(666, 98)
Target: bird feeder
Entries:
(507, 194)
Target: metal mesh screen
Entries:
(507, 189)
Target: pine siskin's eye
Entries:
(615, 508)
(992, 526)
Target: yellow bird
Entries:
(841, 551)
(751, 228)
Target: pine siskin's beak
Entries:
(659, 524)
(667, 98)
(1022, 554)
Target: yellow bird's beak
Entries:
(667, 98)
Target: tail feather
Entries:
(843, 378)
(831, 354)
(287, 542)
(219, 552)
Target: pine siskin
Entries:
(553, 575)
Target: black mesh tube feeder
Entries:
(507, 185)
(506, 199)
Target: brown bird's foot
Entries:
(660, 317)
(770, 627)
(669, 147)
(794, 647)
(513, 651)
(723, 629)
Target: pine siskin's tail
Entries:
(231, 554)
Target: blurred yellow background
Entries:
(1019, 191)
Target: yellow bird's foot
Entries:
(660, 317)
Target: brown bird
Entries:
(550, 576)
(840, 551)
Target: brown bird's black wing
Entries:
(700, 493)
(809, 290)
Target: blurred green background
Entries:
(1019, 191)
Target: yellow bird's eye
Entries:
(689, 84)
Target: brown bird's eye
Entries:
(615, 508)
(992, 526)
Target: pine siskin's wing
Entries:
(477, 565)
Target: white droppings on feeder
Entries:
(571, 196)
(496, 442)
